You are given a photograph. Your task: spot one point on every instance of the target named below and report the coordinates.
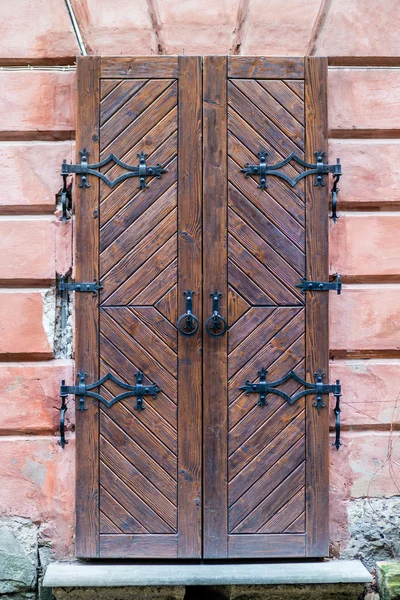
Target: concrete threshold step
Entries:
(81, 574)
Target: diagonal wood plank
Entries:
(161, 139)
(118, 121)
(258, 338)
(257, 119)
(139, 203)
(266, 484)
(107, 85)
(296, 85)
(159, 324)
(258, 270)
(168, 305)
(266, 255)
(247, 323)
(237, 306)
(118, 514)
(106, 525)
(113, 331)
(285, 517)
(133, 452)
(131, 501)
(246, 286)
(298, 525)
(267, 205)
(117, 275)
(144, 489)
(141, 125)
(141, 228)
(151, 294)
(266, 229)
(146, 273)
(117, 97)
(285, 96)
(273, 502)
(274, 448)
(275, 112)
(133, 325)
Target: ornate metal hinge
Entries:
(84, 169)
(83, 389)
(321, 286)
(319, 388)
(319, 169)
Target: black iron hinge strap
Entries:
(84, 169)
(319, 169)
(321, 286)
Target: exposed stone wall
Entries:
(37, 122)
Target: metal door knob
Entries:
(216, 324)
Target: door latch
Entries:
(321, 286)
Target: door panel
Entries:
(204, 470)
(147, 500)
(257, 484)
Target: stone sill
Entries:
(81, 574)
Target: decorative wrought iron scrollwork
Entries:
(216, 325)
(264, 387)
(82, 390)
(319, 169)
(188, 323)
(84, 169)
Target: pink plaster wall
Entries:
(37, 115)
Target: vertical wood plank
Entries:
(317, 335)
(215, 278)
(189, 277)
(87, 312)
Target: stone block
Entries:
(27, 250)
(40, 29)
(126, 593)
(335, 591)
(363, 98)
(370, 392)
(123, 31)
(198, 27)
(37, 101)
(26, 324)
(389, 580)
(358, 28)
(366, 247)
(366, 466)
(371, 172)
(18, 554)
(38, 479)
(282, 30)
(373, 526)
(29, 394)
(365, 319)
(31, 175)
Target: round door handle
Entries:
(216, 325)
(188, 323)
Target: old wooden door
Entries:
(203, 470)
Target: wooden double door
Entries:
(199, 469)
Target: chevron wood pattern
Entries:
(266, 259)
(138, 267)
